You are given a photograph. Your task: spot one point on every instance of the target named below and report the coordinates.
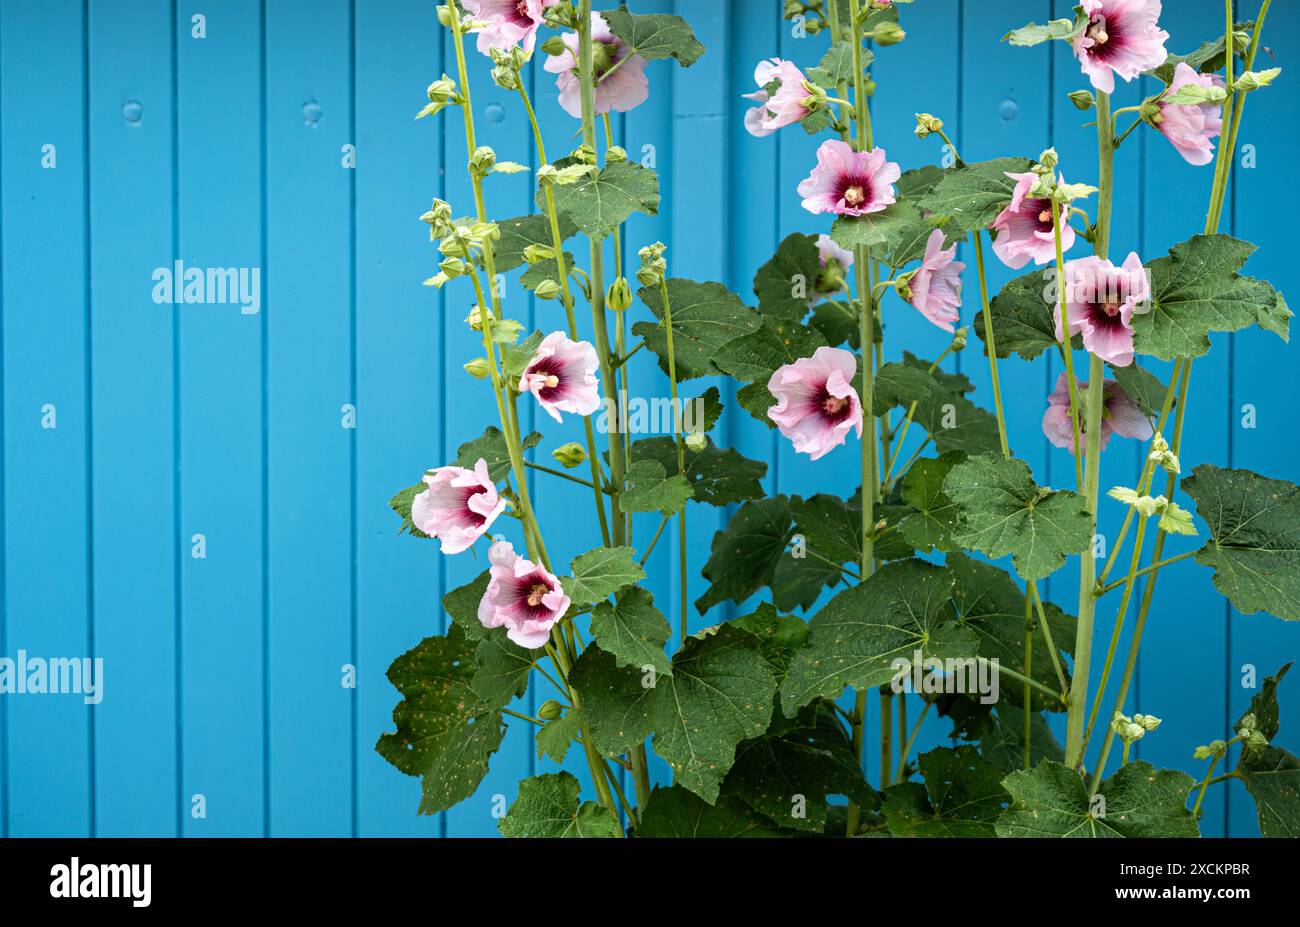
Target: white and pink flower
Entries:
(562, 376)
(620, 85)
(1122, 37)
(817, 405)
(835, 262)
(936, 286)
(849, 183)
(508, 22)
(1120, 415)
(458, 507)
(522, 597)
(1025, 227)
(783, 108)
(1101, 300)
(1190, 126)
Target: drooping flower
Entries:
(835, 262)
(1190, 126)
(622, 89)
(936, 286)
(817, 405)
(849, 183)
(458, 507)
(1101, 300)
(1120, 415)
(562, 375)
(509, 22)
(522, 597)
(783, 108)
(1025, 227)
(1122, 37)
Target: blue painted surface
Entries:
(224, 672)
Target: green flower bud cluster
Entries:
(654, 268)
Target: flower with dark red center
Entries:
(936, 286)
(1120, 415)
(1101, 300)
(1025, 227)
(458, 507)
(522, 597)
(817, 405)
(784, 107)
(620, 85)
(508, 22)
(1122, 37)
(849, 183)
(562, 376)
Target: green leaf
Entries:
(1035, 34)
(785, 284)
(600, 204)
(706, 316)
(462, 605)
(838, 323)
(548, 806)
(655, 35)
(831, 527)
(717, 476)
(1051, 800)
(633, 631)
(902, 609)
(1272, 777)
(744, 555)
(1143, 387)
(1002, 511)
(1003, 742)
(930, 526)
(1263, 705)
(555, 739)
(518, 233)
(546, 270)
(919, 181)
(491, 448)
(1255, 538)
(676, 812)
(836, 67)
(898, 385)
(1209, 57)
(600, 573)
(969, 198)
(444, 733)
(1197, 290)
(1024, 317)
(798, 582)
(753, 358)
(653, 490)
(962, 796)
(517, 357)
(897, 234)
(779, 636)
(401, 504)
(956, 423)
(503, 670)
(719, 694)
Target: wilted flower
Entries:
(1122, 37)
(458, 507)
(849, 183)
(522, 597)
(1100, 301)
(1025, 227)
(509, 22)
(562, 375)
(783, 108)
(621, 90)
(1190, 126)
(936, 286)
(817, 405)
(1120, 415)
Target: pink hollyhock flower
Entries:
(849, 183)
(509, 22)
(836, 262)
(1190, 126)
(1100, 300)
(785, 107)
(458, 507)
(522, 597)
(1122, 37)
(1025, 227)
(562, 375)
(816, 403)
(624, 89)
(936, 287)
(1121, 415)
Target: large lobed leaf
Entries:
(969, 198)
(706, 317)
(655, 36)
(548, 806)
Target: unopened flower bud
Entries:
(570, 455)
(505, 77)
(479, 368)
(615, 155)
(453, 267)
(619, 296)
(1049, 159)
(547, 290)
(813, 26)
(475, 319)
(1083, 99)
(1147, 722)
(888, 33)
(550, 710)
(483, 160)
(534, 254)
(697, 441)
(1247, 723)
(554, 46)
(959, 338)
(444, 16)
(1255, 739)
(925, 124)
(653, 266)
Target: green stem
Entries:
(911, 741)
(992, 344)
(663, 523)
(560, 473)
(1151, 569)
(522, 717)
(1067, 348)
(1047, 636)
(1029, 668)
(886, 738)
(681, 453)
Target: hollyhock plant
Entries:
(1190, 126)
(458, 507)
(849, 183)
(817, 405)
(1025, 227)
(783, 108)
(522, 597)
(1101, 300)
(835, 263)
(1122, 37)
(562, 376)
(508, 22)
(621, 84)
(936, 286)
(1122, 416)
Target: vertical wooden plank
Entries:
(1262, 193)
(132, 178)
(222, 441)
(399, 378)
(48, 605)
(310, 415)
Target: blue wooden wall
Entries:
(223, 673)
